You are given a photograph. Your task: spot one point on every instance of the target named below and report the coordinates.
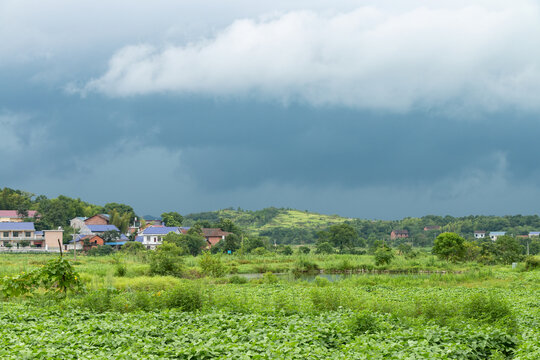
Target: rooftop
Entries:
(102, 228)
(159, 230)
(15, 214)
(17, 226)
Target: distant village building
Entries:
(153, 236)
(479, 234)
(213, 236)
(432, 227)
(398, 234)
(16, 234)
(493, 235)
(77, 222)
(99, 219)
(534, 233)
(14, 216)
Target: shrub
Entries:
(321, 281)
(166, 260)
(269, 278)
(235, 279)
(100, 250)
(490, 309)
(304, 265)
(303, 250)
(532, 263)
(120, 270)
(363, 322)
(186, 297)
(259, 251)
(132, 247)
(325, 299)
(211, 265)
(324, 248)
(287, 250)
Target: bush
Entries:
(166, 260)
(211, 265)
(325, 299)
(363, 322)
(186, 297)
(324, 248)
(100, 250)
(235, 279)
(532, 263)
(303, 250)
(321, 281)
(120, 270)
(132, 247)
(304, 265)
(269, 278)
(490, 309)
(259, 251)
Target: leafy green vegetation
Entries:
(472, 311)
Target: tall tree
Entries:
(172, 218)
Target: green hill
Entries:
(286, 226)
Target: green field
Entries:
(470, 312)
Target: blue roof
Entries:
(102, 228)
(534, 233)
(116, 243)
(139, 239)
(39, 232)
(124, 237)
(497, 233)
(17, 226)
(159, 230)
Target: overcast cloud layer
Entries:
(367, 58)
(375, 109)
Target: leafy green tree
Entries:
(172, 218)
(120, 209)
(189, 243)
(324, 248)
(383, 255)
(449, 246)
(507, 249)
(229, 226)
(120, 220)
(341, 236)
(254, 242)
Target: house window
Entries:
(6, 233)
(15, 234)
(27, 234)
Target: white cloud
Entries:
(482, 55)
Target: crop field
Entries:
(479, 313)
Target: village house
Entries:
(479, 234)
(153, 236)
(534, 233)
(17, 234)
(99, 219)
(14, 216)
(77, 222)
(85, 242)
(432, 227)
(493, 235)
(213, 236)
(398, 234)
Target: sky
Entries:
(371, 109)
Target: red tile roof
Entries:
(15, 214)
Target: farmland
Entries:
(473, 311)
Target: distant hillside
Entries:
(286, 226)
